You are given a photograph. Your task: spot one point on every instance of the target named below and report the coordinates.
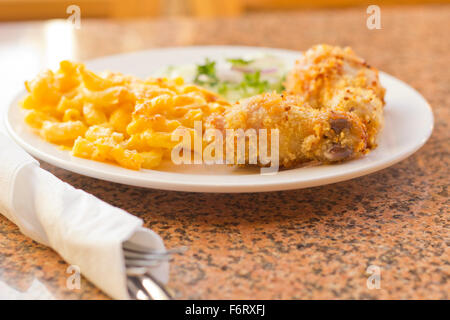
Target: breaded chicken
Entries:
(334, 78)
(364, 104)
(305, 133)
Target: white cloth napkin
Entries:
(84, 230)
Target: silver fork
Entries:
(138, 260)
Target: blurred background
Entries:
(13, 10)
(38, 34)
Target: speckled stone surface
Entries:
(302, 244)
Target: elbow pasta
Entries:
(112, 117)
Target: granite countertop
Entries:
(302, 244)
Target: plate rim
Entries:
(223, 187)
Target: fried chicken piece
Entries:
(305, 133)
(365, 105)
(336, 78)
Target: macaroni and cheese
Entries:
(113, 117)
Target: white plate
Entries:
(409, 123)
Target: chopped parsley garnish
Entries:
(223, 88)
(206, 74)
(239, 61)
(251, 83)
